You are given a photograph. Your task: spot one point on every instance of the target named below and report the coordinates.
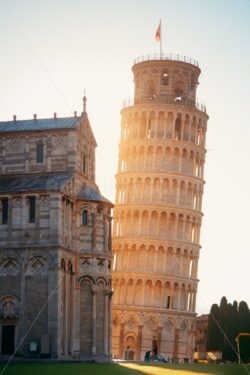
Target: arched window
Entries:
(84, 217)
(177, 129)
(165, 78)
(39, 152)
(32, 209)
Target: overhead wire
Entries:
(54, 84)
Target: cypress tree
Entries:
(225, 322)
(229, 331)
(235, 330)
(213, 332)
(223, 326)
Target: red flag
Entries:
(158, 33)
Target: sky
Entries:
(51, 50)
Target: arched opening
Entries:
(129, 293)
(176, 160)
(158, 158)
(175, 296)
(144, 224)
(148, 293)
(170, 121)
(165, 78)
(154, 223)
(149, 158)
(138, 190)
(147, 190)
(151, 125)
(177, 129)
(158, 294)
(167, 296)
(161, 125)
(163, 225)
(140, 164)
(186, 128)
(156, 190)
(139, 293)
(130, 345)
(135, 228)
(165, 190)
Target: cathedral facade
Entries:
(158, 211)
(55, 242)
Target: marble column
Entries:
(94, 291)
(76, 322)
(106, 323)
(110, 325)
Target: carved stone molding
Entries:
(37, 266)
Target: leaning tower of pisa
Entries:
(157, 218)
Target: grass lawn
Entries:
(121, 369)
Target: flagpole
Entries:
(160, 41)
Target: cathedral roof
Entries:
(51, 181)
(39, 124)
(21, 183)
(89, 194)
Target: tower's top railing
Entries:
(163, 56)
(200, 105)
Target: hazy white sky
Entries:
(50, 50)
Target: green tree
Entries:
(213, 333)
(234, 330)
(225, 322)
(224, 326)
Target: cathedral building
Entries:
(158, 211)
(55, 242)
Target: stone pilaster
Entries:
(94, 291)
(121, 340)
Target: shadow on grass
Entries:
(67, 369)
(121, 369)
